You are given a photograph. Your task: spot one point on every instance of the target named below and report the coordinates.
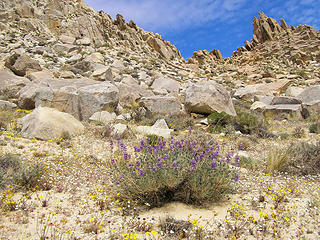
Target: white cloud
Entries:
(168, 14)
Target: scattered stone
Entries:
(160, 123)
(103, 117)
(21, 63)
(5, 105)
(161, 132)
(48, 124)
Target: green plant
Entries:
(314, 128)
(302, 74)
(244, 122)
(153, 139)
(219, 121)
(247, 162)
(181, 170)
(20, 175)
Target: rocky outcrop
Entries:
(203, 56)
(11, 84)
(271, 39)
(208, 97)
(48, 124)
(79, 97)
(21, 63)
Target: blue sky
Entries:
(208, 24)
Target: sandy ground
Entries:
(82, 203)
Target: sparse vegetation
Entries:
(183, 170)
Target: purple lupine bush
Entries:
(174, 170)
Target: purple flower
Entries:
(111, 143)
(141, 172)
(136, 149)
(117, 182)
(123, 146)
(138, 163)
(126, 156)
(213, 165)
(237, 162)
(189, 131)
(160, 164)
(214, 155)
(174, 165)
(236, 178)
(154, 169)
(228, 158)
(240, 147)
(193, 163)
(142, 143)
(130, 165)
(112, 160)
(165, 157)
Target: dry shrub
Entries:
(300, 158)
(277, 160)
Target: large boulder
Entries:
(311, 94)
(79, 97)
(161, 105)
(208, 97)
(48, 123)
(272, 88)
(21, 63)
(166, 83)
(11, 84)
(130, 92)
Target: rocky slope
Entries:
(65, 55)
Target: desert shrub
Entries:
(247, 162)
(304, 159)
(298, 132)
(300, 158)
(179, 122)
(219, 121)
(313, 128)
(277, 160)
(245, 122)
(13, 172)
(181, 170)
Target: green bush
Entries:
(219, 121)
(313, 128)
(244, 122)
(13, 172)
(180, 170)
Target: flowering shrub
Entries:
(182, 170)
